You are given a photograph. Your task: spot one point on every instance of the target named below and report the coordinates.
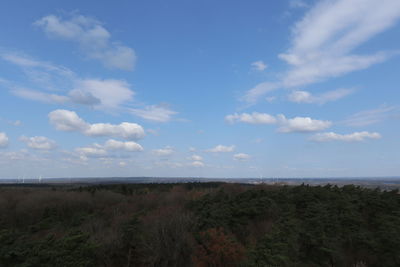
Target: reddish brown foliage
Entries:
(217, 248)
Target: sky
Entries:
(185, 88)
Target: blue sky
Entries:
(200, 88)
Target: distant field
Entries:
(198, 224)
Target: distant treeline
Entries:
(199, 224)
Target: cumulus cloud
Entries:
(163, 152)
(3, 140)
(221, 149)
(323, 42)
(301, 124)
(109, 94)
(104, 150)
(196, 158)
(69, 121)
(197, 164)
(296, 124)
(353, 137)
(259, 65)
(241, 156)
(91, 152)
(39, 142)
(130, 146)
(65, 120)
(158, 113)
(253, 118)
(307, 97)
(92, 37)
(102, 94)
(84, 98)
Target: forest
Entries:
(198, 224)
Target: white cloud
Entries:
(3, 139)
(221, 148)
(69, 121)
(307, 97)
(259, 90)
(196, 158)
(110, 94)
(270, 99)
(297, 4)
(39, 142)
(91, 152)
(241, 156)
(125, 130)
(162, 152)
(84, 98)
(93, 38)
(40, 96)
(130, 146)
(301, 124)
(197, 164)
(353, 137)
(324, 39)
(27, 62)
(111, 145)
(259, 65)
(368, 117)
(103, 94)
(323, 42)
(43, 74)
(157, 113)
(65, 120)
(297, 124)
(253, 118)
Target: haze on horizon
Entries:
(290, 88)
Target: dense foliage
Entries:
(199, 224)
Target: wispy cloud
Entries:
(63, 86)
(353, 137)
(372, 116)
(158, 113)
(298, 4)
(259, 65)
(92, 37)
(323, 42)
(307, 97)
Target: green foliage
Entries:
(210, 224)
(73, 249)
